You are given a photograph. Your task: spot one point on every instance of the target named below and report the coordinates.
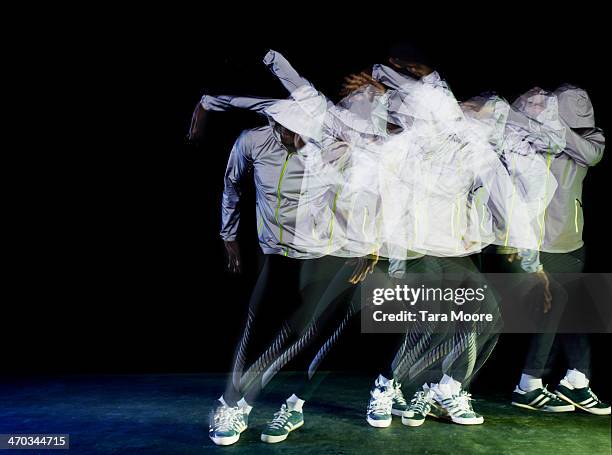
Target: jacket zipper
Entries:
(278, 199)
(576, 203)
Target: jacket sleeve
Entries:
(544, 138)
(237, 167)
(283, 70)
(223, 103)
(586, 149)
(530, 260)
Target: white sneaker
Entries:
(380, 405)
(399, 405)
(419, 407)
(284, 422)
(583, 398)
(457, 408)
(226, 424)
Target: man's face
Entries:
(288, 137)
(535, 105)
(414, 68)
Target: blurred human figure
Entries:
(563, 251)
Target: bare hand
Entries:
(356, 81)
(512, 257)
(363, 266)
(232, 252)
(198, 120)
(543, 277)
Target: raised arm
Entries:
(585, 149)
(544, 138)
(223, 103)
(283, 70)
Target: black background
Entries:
(120, 264)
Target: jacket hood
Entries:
(304, 113)
(575, 107)
(538, 104)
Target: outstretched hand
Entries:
(198, 120)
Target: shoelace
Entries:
(462, 402)
(227, 418)
(549, 394)
(380, 402)
(398, 395)
(420, 403)
(280, 417)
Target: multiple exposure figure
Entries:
(400, 177)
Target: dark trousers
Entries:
(281, 324)
(544, 347)
(428, 352)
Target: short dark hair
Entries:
(411, 52)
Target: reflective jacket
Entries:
(564, 220)
(278, 177)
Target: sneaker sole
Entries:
(378, 423)
(412, 422)
(470, 421)
(274, 439)
(568, 408)
(599, 412)
(397, 412)
(227, 440)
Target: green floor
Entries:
(168, 414)
(335, 424)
